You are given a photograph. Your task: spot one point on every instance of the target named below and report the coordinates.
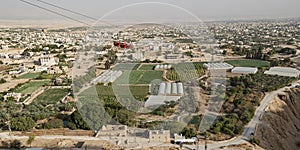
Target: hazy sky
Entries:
(204, 9)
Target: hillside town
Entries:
(145, 85)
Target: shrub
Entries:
(15, 144)
(72, 126)
(53, 123)
(254, 141)
(22, 123)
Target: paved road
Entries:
(251, 127)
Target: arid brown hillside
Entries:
(280, 128)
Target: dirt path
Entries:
(140, 77)
(165, 76)
(138, 68)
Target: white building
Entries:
(159, 136)
(181, 138)
(171, 56)
(47, 61)
(40, 68)
(16, 96)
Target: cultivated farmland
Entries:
(249, 63)
(28, 76)
(31, 86)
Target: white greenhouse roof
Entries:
(212, 66)
(108, 76)
(244, 70)
(283, 71)
(161, 67)
(170, 88)
(154, 100)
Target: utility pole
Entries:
(206, 135)
(205, 145)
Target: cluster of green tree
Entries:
(76, 121)
(255, 52)
(237, 50)
(189, 53)
(61, 57)
(184, 40)
(259, 82)
(287, 51)
(117, 111)
(148, 36)
(17, 114)
(51, 124)
(16, 144)
(195, 121)
(284, 62)
(2, 80)
(231, 125)
(111, 59)
(8, 111)
(193, 126)
(254, 141)
(242, 97)
(165, 110)
(22, 123)
(147, 124)
(227, 46)
(189, 132)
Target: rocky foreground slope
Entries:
(280, 126)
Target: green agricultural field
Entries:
(139, 77)
(141, 91)
(249, 63)
(28, 76)
(147, 66)
(51, 96)
(129, 77)
(186, 71)
(199, 65)
(149, 76)
(126, 66)
(30, 87)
